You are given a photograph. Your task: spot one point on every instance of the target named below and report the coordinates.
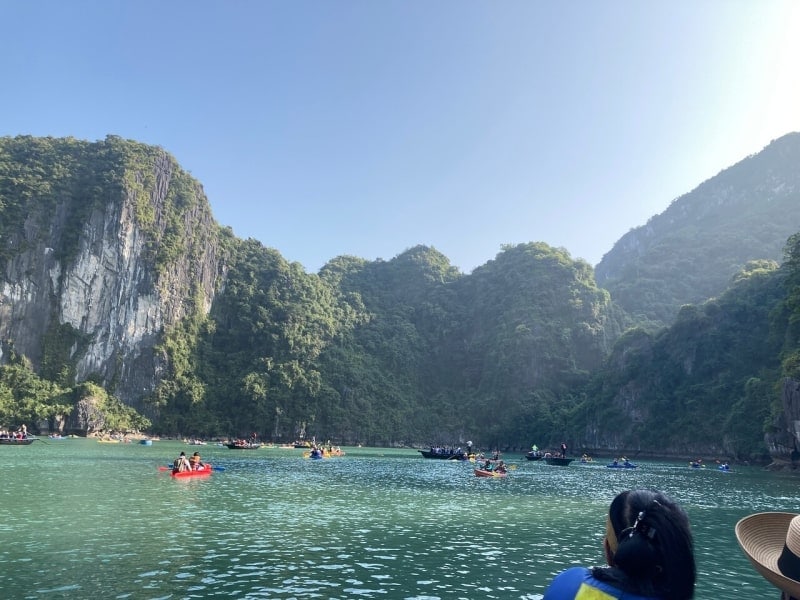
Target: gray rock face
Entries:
(784, 443)
(109, 296)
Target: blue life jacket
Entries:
(578, 583)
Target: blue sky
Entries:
(366, 127)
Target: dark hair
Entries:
(655, 555)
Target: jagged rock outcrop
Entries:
(98, 295)
(784, 441)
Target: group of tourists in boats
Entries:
(446, 451)
(323, 451)
(242, 443)
(450, 452)
(698, 464)
(250, 443)
(536, 454)
(494, 465)
(19, 434)
(192, 463)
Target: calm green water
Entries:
(88, 520)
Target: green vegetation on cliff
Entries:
(527, 348)
(707, 383)
(689, 252)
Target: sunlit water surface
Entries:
(87, 520)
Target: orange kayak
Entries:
(482, 473)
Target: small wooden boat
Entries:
(17, 441)
(622, 465)
(443, 455)
(198, 473)
(243, 446)
(146, 442)
(558, 461)
(534, 455)
(484, 473)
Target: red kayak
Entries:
(206, 470)
(482, 473)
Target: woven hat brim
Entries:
(762, 537)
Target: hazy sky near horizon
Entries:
(366, 127)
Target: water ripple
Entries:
(370, 525)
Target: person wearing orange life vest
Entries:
(196, 463)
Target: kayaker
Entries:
(649, 550)
(181, 464)
(197, 464)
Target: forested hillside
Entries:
(689, 252)
(709, 383)
(405, 351)
(494, 356)
(123, 305)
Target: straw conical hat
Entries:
(771, 541)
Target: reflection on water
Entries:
(85, 520)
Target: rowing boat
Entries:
(17, 441)
(444, 455)
(558, 460)
(243, 446)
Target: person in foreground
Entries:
(649, 550)
(771, 540)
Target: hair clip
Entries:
(643, 528)
(636, 523)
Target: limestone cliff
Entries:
(117, 246)
(784, 441)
